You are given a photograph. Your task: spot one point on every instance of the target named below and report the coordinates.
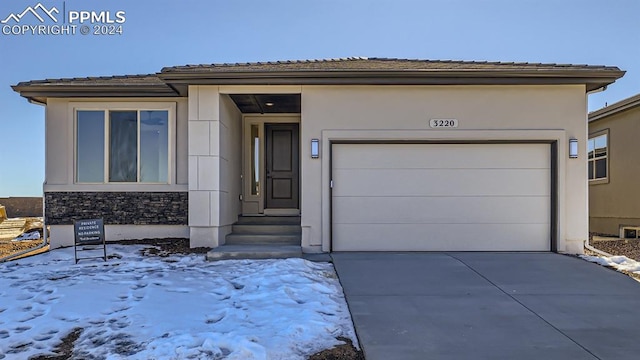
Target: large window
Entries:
(122, 146)
(598, 156)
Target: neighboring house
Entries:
(614, 169)
(360, 154)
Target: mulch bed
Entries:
(164, 247)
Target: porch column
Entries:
(204, 166)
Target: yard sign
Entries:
(89, 236)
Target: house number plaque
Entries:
(443, 123)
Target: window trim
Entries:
(604, 180)
(170, 107)
(629, 227)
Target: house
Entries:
(614, 167)
(360, 154)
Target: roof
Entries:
(123, 85)
(174, 81)
(620, 106)
(363, 63)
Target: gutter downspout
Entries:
(600, 89)
(591, 248)
(587, 245)
(44, 237)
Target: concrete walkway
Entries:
(489, 306)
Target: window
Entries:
(598, 157)
(90, 155)
(255, 160)
(630, 232)
(122, 146)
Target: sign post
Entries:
(89, 236)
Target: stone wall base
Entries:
(118, 208)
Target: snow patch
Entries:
(141, 307)
(33, 235)
(621, 263)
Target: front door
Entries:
(282, 166)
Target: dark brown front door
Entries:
(282, 166)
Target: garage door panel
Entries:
(440, 156)
(442, 237)
(441, 197)
(443, 182)
(434, 210)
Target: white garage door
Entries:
(441, 197)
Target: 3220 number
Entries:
(443, 123)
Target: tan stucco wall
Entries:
(230, 161)
(617, 201)
(553, 113)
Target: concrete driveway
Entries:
(489, 306)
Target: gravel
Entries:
(617, 247)
(624, 247)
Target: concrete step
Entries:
(268, 220)
(231, 252)
(267, 229)
(246, 239)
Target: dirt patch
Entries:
(8, 247)
(25, 225)
(341, 352)
(64, 350)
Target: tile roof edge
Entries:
(335, 60)
(88, 78)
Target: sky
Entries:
(159, 33)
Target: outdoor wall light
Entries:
(315, 148)
(573, 148)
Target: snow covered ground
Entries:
(176, 307)
(617, 262)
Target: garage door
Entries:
(441, 197)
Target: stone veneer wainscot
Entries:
(118, 208)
